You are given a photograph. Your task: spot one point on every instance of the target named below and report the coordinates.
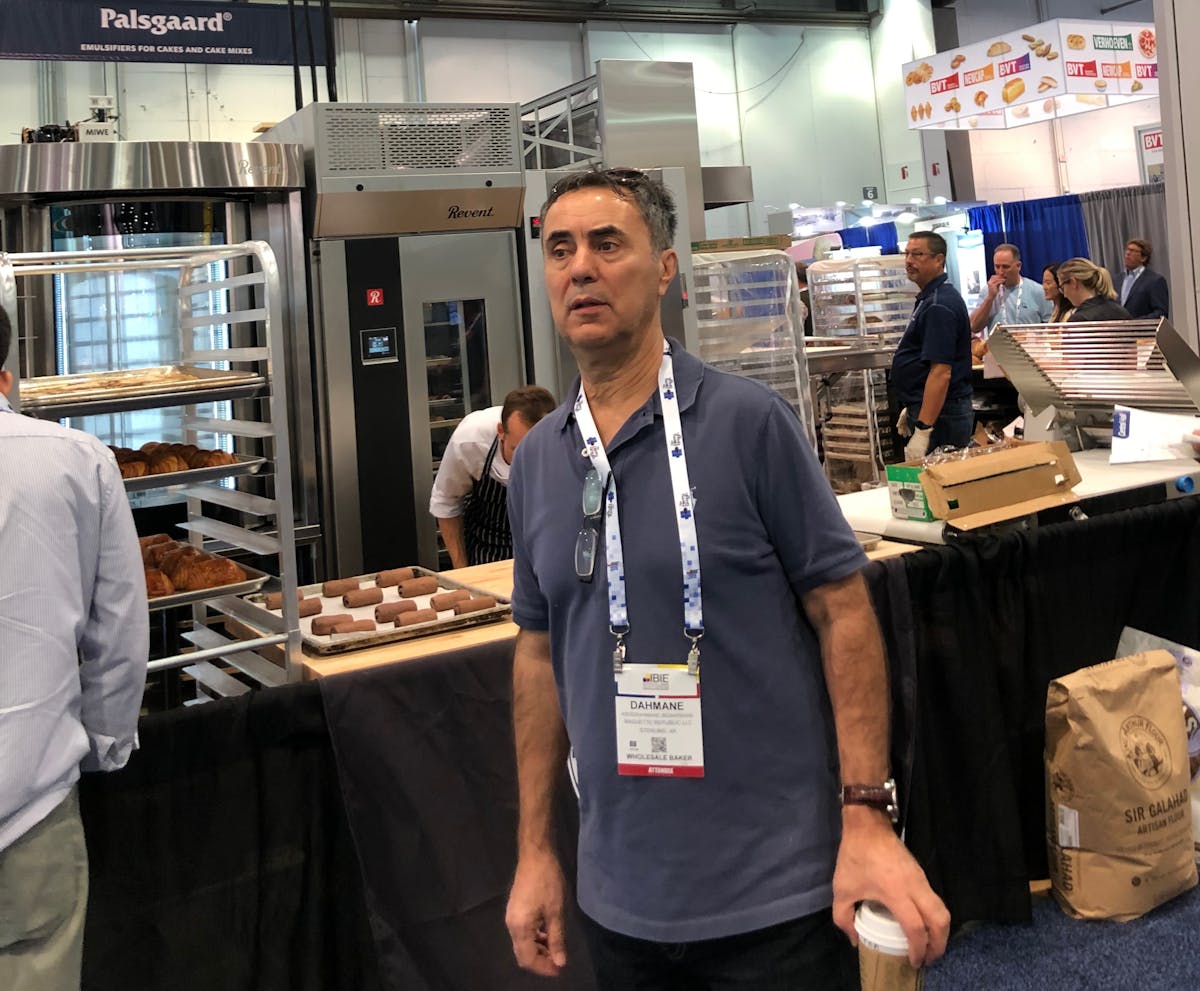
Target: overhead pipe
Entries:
(312, 51)
(330, 52)
(295, 56)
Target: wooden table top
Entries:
(496, 577)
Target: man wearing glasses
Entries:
(931, 370)
(670, 521)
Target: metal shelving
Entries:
(750, 322)
(864, 303)
(254, 495)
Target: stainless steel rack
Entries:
(256, 490)
(750, 322)
(1084, 369)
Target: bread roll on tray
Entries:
(338, 586)
(274, 600)
(446, 600)
(474, 605)
(325, 624)
(418, 586)
(387, 612)
(362, 597)
(413, 618)
(308, 607)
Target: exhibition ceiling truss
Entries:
(817, 12)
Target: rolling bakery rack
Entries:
(225, 295)
(861, 307)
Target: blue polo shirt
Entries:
(753, 842)
(939, 332)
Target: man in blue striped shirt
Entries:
(74, 638)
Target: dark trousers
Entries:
(954, 424)
(807, 954)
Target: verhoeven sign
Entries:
(77, 30)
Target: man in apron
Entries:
(469, 498)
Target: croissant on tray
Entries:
(210, 459)
(200, 573)
(175, 559)
(161, 463)
(157, 584)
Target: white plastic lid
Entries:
(878, 928)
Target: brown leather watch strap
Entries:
(882, 797)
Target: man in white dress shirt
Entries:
(470, 494)
(74, 638)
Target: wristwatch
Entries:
(922, 425)
(881, 797)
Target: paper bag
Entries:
(1118, 817)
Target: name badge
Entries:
(658, 721)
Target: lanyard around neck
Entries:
(685, 518)
(1004, 303)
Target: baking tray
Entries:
(338, 643)
(255, 580)
(86, 393)
(245, 466)
(868, 541)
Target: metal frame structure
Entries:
(266, 527)
(1083, 369)
(560, 111)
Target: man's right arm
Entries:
(983, 312)
(535, 904)
(451, 529)
(460, 465)
(115, 643)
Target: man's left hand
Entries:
(873, 864)
(918, 445)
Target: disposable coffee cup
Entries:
(883, 952)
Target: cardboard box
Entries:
(778, 242)
(987, 488)
(905, 492)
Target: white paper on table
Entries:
(1139, 435)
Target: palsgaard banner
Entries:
(75, 30)
(1049, 70)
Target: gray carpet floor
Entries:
(1158, 952)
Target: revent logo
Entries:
(160, 24)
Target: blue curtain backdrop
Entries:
(990, 220)
(854, 237)
(883, 235)
(1046, 230)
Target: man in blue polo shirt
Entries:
(671, 520)
(931, 370)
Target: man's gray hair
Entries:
(1011, 248)
(652, 199)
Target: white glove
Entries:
(918, 447)
(902, 425)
